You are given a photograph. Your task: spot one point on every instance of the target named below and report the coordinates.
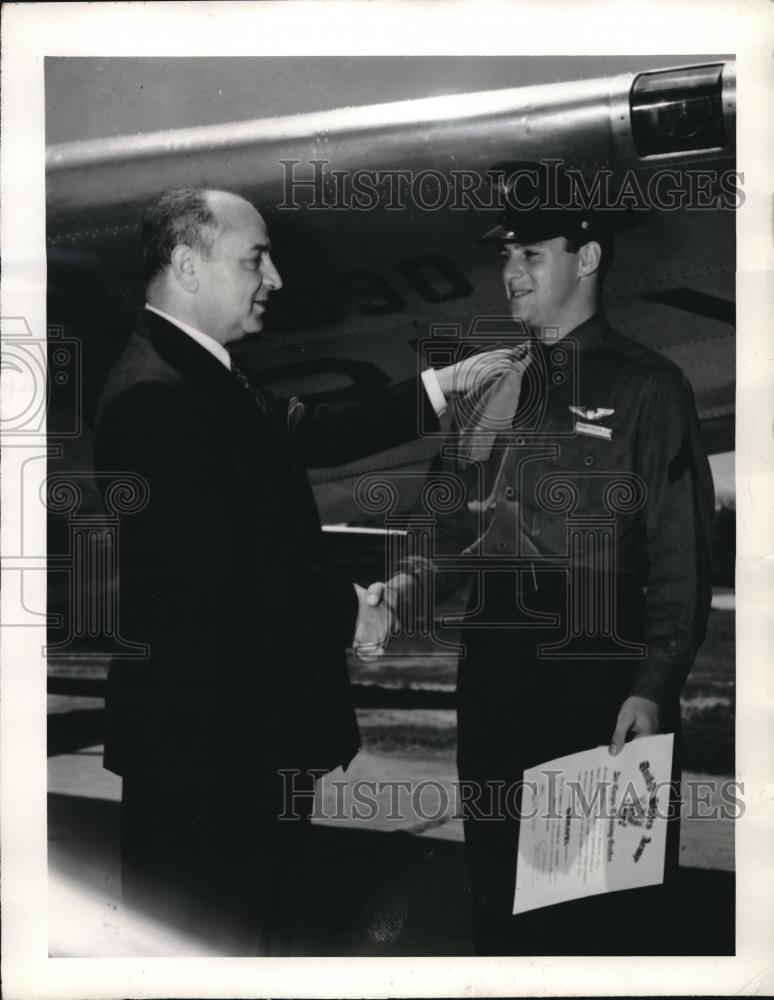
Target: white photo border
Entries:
(744, 27)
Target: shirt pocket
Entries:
(586, 454)
(579, 481)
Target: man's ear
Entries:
(183, 264)
(589, 258)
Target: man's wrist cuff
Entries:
(434, 391)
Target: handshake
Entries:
(377, 607)
(377, 618)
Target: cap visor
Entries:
(496, 235)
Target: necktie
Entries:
(490, 412)
(249, 386)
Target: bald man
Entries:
(223, 575)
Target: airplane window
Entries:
(678, 110)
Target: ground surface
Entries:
(403, 890)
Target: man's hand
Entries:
(640, 715)
(391, 594)
(470, 374)
(374, 625)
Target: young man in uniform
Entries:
(590, 498)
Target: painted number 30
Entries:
(434, 278)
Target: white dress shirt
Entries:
(434, 391)
(217, 350)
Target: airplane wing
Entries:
(375, 233)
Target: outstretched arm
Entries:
(329, 434)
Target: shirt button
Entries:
(510, 493)
(588, 460)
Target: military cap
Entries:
(540, 201)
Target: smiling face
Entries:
(234, 281)
(546, 285)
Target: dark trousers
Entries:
(518, 709)
(214, 859)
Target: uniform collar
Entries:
(591, 333)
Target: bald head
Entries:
(207, 261)
(188, 216)
(225, 205)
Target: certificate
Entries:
(593, 823)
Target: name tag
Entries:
(594, 430)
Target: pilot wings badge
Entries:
(599, 414)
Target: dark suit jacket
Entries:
(222, 572)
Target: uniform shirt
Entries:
(604, 442)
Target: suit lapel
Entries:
(246, 428)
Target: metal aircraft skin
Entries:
(365, 287)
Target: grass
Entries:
(708, 701)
